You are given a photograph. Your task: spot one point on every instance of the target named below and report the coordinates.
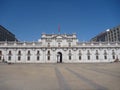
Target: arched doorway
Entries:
(59, 57)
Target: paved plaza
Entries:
(98, 76)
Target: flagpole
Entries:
(58, 28)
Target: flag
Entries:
(58, 27)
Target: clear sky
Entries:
(27, 19)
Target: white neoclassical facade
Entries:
(59, 48)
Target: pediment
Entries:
(59, 37)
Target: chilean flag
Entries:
(58, 27)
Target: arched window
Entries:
(10, 53)
(113, 54)
(105, 54)
(48, 57)
(80, 55)
(69, 55)
(29, 52)
(88, 54)
(97, 55)
(19, 52)
(38, 52)
(48, 52)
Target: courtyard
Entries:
(59, 76)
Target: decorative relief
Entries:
(65, 49)
(69, 54)
(69, 40)
(43, 49)
(53, 49)
(96, 53)
(80, 54)
(48, 40)
(74, 49)
(59, 40)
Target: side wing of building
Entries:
(6, 35)
(110, 35)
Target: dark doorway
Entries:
(59, 57)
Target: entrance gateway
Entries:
(59, 57)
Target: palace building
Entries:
(59, 48)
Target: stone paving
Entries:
(97, 76)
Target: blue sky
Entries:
(27, 19)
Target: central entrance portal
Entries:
(59, 57)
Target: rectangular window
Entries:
(38, 52)
(19, 58)
(9, 58)
(38, 58)
(97, 57)
(88, 57)
(113, 56)
(79, 57)
(105, 57)
(0, 58)
(69, 57)
(48, 57)
(28, 58)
